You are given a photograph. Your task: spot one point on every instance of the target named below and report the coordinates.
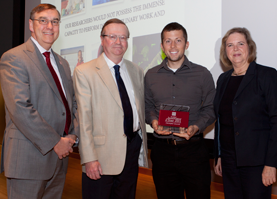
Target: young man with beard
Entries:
(180, 160)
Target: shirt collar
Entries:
(40, 48)
(111, 64)
(186, 63)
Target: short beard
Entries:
(175, 60)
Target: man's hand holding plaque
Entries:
(189, 132)
(172, 119)
(160, 129)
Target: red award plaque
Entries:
(174, 118)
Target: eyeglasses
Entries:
(122, 38)
(54, 22)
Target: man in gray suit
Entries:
(41, 124)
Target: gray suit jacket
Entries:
(101, 114)
(35, 114)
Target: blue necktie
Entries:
(126, 105)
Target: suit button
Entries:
(63, 113)
(235, 118)
(237, 133)
(173, 85)
(235, 103)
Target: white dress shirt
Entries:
(52, 60)
(129, 87)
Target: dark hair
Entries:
(81, 56)
(251, 44)
(174, 26)
(42, 7)
(114, 20)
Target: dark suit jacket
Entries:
(255, 116)
(35, 114)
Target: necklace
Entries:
(240, 73)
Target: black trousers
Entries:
(181, 168)
(242, 182)
(122, 186)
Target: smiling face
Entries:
(114, 50)
(237, 50)
(174, 46)
(45, 35)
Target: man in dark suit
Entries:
(41, 124)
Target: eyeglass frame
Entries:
(116, 36)
(39, 21)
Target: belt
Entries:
(134, 133)
(180, 142)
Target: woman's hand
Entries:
(218, 168)
(269, 175)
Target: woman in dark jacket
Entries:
(246, 129)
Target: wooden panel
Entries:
(145, 186)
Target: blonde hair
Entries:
(251, 44)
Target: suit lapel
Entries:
(34, 54)
(222, 86)
(247, 78)
(133, 76)
(63, 77)
(105, 74)
(245, 81)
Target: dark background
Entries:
(11, 35)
